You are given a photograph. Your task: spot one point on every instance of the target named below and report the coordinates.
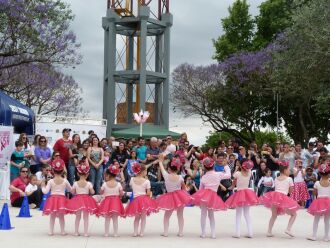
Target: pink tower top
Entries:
(139, 189)
(284, 185)
(211, 180)
(242, 181)
(56, 189)
(170, 184)
(107, 191)
(82, 190)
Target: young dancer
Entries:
(111, 206)
(278, 201)
(299, 193)
(321, 206)
(142, 205)
(56, 204)
(82, 203)
(206, 197)
(176, 197)
(243, 198)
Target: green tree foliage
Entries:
(302, 72)
(274, 17)
(238, 31)
(260, 138)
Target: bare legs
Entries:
(167, 216)
(273, 218)
(114, 219)
(52, 223)
(210, 213)
(139, 219)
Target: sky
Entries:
(195, 21)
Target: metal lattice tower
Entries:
(136, 62)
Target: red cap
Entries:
(58, 164)
(324, 168)
(136, 168)
(83, 168)
(247, 165)
(114, 169)
(208, 162)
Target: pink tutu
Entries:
(56, 204)
(174, 200)
(320, 206)
(279, 200)
(141, 204)
(111, 205)
(241, 198)
(209, 199)
(300, 192)
(82, 202)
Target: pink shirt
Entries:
(82, 190)
(114, 191)
(284, 185)
(139, 189)
(211, 180)
(242, 181)
(172, 185)
(56, 189)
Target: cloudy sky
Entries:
(195, 21)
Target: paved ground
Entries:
(32, 232)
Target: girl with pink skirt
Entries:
(176, 197)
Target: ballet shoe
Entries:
(115, 235)
(326, 240)
(164, 235)
(180, 235)
(236, 236)
(202, 236)
(270, 235)
(141, 235)
(51, 234)
(311, 238)
(106, 235)
(287, 232)
(64, 233)
(213, 237)
(248, 236)
(135, 235)
(86, 235)
(76, 234)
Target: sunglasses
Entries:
(42, 141)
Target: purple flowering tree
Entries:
(231, 96)
(44, 89)
(36, 31)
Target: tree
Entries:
(36, 31)
(44, 89)
(238, 31)
(274, 17)
(224, 95)
(302, 73)
(261, 138)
